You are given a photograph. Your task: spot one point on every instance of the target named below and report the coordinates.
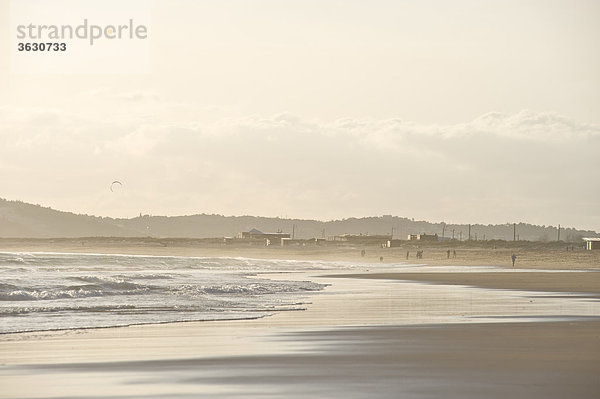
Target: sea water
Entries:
(61, 291)
(54, 291)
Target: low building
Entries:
(592, 243)
(256, 234)
(286, 242)
(361, 238)
(423, 237)
(394, 243)
(302, 242)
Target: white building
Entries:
(592, 243)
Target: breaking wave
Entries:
(65, 291)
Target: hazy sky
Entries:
(456, 111)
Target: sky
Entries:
(462, 112)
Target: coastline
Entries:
(584, 282)
(530, 255)
(350, 342)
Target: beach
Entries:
(299, 199)
(379, 329)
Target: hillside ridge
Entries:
(20, 219)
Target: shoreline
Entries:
(584, 282)
(350, 342)
(530, 255)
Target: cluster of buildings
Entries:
(278, 238)
(287, 239)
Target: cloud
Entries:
(536, 167)
(133, 96)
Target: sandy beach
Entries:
(437, 331)
(521, 360)
(584, 283)
(530, 255)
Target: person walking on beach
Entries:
(514, 258)
(448, 253)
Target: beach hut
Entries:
(592, 243)
(423, 237)
(394, 243)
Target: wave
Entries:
(111, 283)
(47, 291)
(251, 288)
(34, 295)
(97, 287)
(101, 287)
(57, 309)
(140, 323)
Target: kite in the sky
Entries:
(113, 184)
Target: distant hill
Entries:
(19, 219)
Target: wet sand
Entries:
(522, 360)
(351, 342)
(583, 282)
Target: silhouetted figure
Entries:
(454, 253)
(381, 258)
(362, 253)
(514, 258)
(448, 253)
(407, 253)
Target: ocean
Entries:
(65, 291)
(56, 291)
